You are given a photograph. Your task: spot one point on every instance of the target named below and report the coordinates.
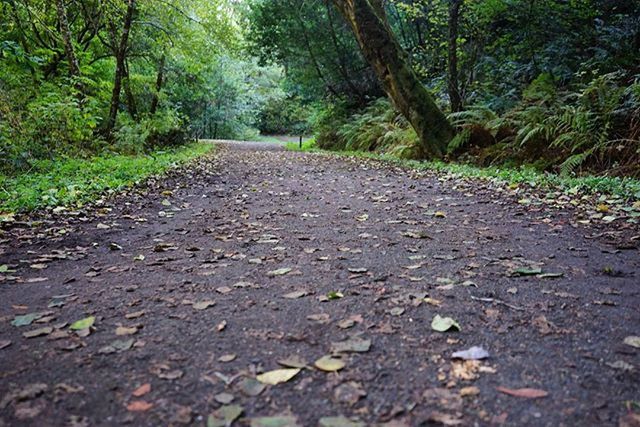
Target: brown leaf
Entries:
(122, 331)
(139, 406)
(142, 390)
(528, 393)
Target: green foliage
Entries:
(73, 182)
(377, 128)
(589, 127)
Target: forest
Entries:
(320, 213)
(548, 86)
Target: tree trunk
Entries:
(380, 48)
(454, 87)
(120, 54)
(159, 82)
(74, 67)
(131, 100)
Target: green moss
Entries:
(71, 181)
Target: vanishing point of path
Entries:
(257, 259)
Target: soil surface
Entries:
(256, 259)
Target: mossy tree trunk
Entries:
(369, 23)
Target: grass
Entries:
(623, 188)
(71, 181)
(308, 145)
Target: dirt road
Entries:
(258, 259)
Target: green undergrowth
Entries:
(73, 181)
(308, 145)
(625, 188)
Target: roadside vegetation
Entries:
(546, 87)
(72, 182)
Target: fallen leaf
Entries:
(142, 390)
(293, 362)
(329, 363)
(139, 406)
(350, 393)
(528, 393)
(432, 301)
(26, 319)
(396, 311)
(4, 344)
(334, 295)
(38, 332)
(278, 421)
(225, 416)
(444, 324)
(134, 315)
(203, 305)
(171, 375)
(474, 353)
(527, 271)
(445, 419)
(224, 398)
(469, 391)
(320, 318)
(632, 341)
(278, 272)
(252, 387)
(278, 376)
(122, 331)
(351, 345)
(223, 290)
(85, 323)
(338, 422)
(295, 294)
(225, 358)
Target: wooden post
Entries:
(300, 142)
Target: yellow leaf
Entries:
(122, 330)
(329, 364)
(277, 376)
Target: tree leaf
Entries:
(38, 332)
(278, 272)
(139, 406)
(527, 271)
(203, 305)
(83, 324)
(528, 393)
(632, 341)
(278, 376)
(295, 294)
(122, 331)
(278, 421)
(474, 353)
(225, 416)
(142, 390)
(444, 324)
(329, 363)
(352, 345)
(26, 319)
(338, 422)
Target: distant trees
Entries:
(81, 76)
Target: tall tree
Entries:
(455, 97)
(379, 46)
(121, 56)
(72, 59)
